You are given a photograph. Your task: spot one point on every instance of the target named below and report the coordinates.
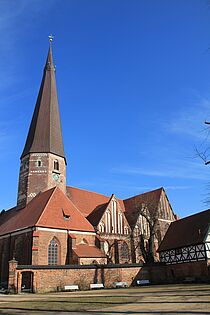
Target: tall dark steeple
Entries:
(45, 130)
(43, 163)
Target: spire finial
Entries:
(50, 38)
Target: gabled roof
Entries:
(91, 204)
(45, 130)
(187, 231)
(95, 216)
(86, 251)
(86, 201)
(150, 198)
(50, 209)
(14, 219)
(61, 213)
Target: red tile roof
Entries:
(93, 205)
(187, 231)
(26, 217)
(86, 201)
(47, 209)
(86, 251)
(53, 209)
(131, 204)
(95, 216)
(53, 214)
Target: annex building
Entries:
(187, 256)
(54, 224)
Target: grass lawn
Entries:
(168, 299)
(58, 303)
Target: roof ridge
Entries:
(191, 215)
(147, 192)
(93, 192)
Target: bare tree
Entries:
(204, 151)
(145, 230)
(110, 253)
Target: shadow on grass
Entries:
(11, 312)
(169, 291)
(105, 302)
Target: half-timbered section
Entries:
(184, 254)
(187, 240)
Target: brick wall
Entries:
(46, 279)
(34, 178)
(41, 240)
(89, 261)
(199, 270)
(16, 246)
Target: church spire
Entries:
(43, 163)
(45, 134)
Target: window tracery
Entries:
(53, 252)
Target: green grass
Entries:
(69, 304)
(167, 299)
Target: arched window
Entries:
(114, 216)
(106, 247)
(126, 230)
(53, 252)
(39, 163)
(125, 252)
(101, 227)
(108, 222)
(120, 223)
(56, 165)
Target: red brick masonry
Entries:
(54, 278)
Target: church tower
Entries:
(43, 163)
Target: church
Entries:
(55, 224)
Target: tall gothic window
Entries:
(125, 251)
(108, 222)
(53, 252)
(56, 165)
(114, 216)
(120, 223)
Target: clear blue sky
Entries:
(133, 79)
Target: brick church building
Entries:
(54, 224)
